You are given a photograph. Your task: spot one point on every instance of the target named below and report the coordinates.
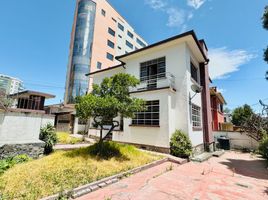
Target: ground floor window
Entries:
(148, 117)
(196, 116)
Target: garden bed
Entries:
(66, 170)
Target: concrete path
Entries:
(234, 176)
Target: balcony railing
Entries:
(157, 81)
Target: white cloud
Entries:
(224, 61)
(156, 4)
(195, 3)
(176, 17)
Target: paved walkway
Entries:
(233, 176)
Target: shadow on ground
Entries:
(250, 168)
(104, 151)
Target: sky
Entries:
(35, 38)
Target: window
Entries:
(153, 70)
(140, 42)
(220, 108)
(110, 44)
(121, 27)
(130, 34)
(99, 64)
(148, 117)
(110, 56)
(111, 31)
(103, 12)
(194, 72)
(114, 19)
(120, 36)
(129, 44)
(196, 116)
(119, 47)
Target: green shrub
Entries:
(180, 144)
(10, 162)
(49, 136)
(263, 147)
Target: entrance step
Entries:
(202, 157)
(218, 153)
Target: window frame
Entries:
(110, 56)
(99, 65)
(111, 31)
(103, 12)
(110, 44)
(129, 44)
(149, 117)
(121, 27)
(193, 66)
(131, 35)
(196, 118)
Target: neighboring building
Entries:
(227, 118)
(169, 72)
(99, 34)
(30, 100)
(10, 85)
(20, 125)
(217, 103)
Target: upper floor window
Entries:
(120, 36)
(114, 19)
(129, 44)
(140, 42)
(110, 44)
(119, 47)
(103, 12)
(148, 117)
(110, 56)
(130, 34)
(111, 31)
(194, 72)
(121, 27)
(152, 69)
(196, 116)
(99, 64)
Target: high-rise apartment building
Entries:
(99, 34)
(10, 85)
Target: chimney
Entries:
(206, 105)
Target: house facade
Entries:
(217, 103)
(169, 71)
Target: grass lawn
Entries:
(66, 138)
(65, 170)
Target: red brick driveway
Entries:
(233, 176)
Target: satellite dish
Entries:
(196, 88)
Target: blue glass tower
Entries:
(79, 63)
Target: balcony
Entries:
(157, 81)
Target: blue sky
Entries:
(35, 36)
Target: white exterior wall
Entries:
(22, 128)
(174, 106)
(237, 140)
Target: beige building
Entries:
(99, 34)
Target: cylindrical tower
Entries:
(80, 51)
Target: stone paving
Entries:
(234, 176)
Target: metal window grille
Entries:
(196, 116)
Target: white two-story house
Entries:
(169, 71)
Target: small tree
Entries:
(241, 114)
(108, 100)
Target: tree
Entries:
(109, 100)
(241, 114)
(265, 26)
(256, 127)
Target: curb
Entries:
(85, 189)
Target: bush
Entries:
(180, 144)
(263, 147)
(49, 136)
(10, 162)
